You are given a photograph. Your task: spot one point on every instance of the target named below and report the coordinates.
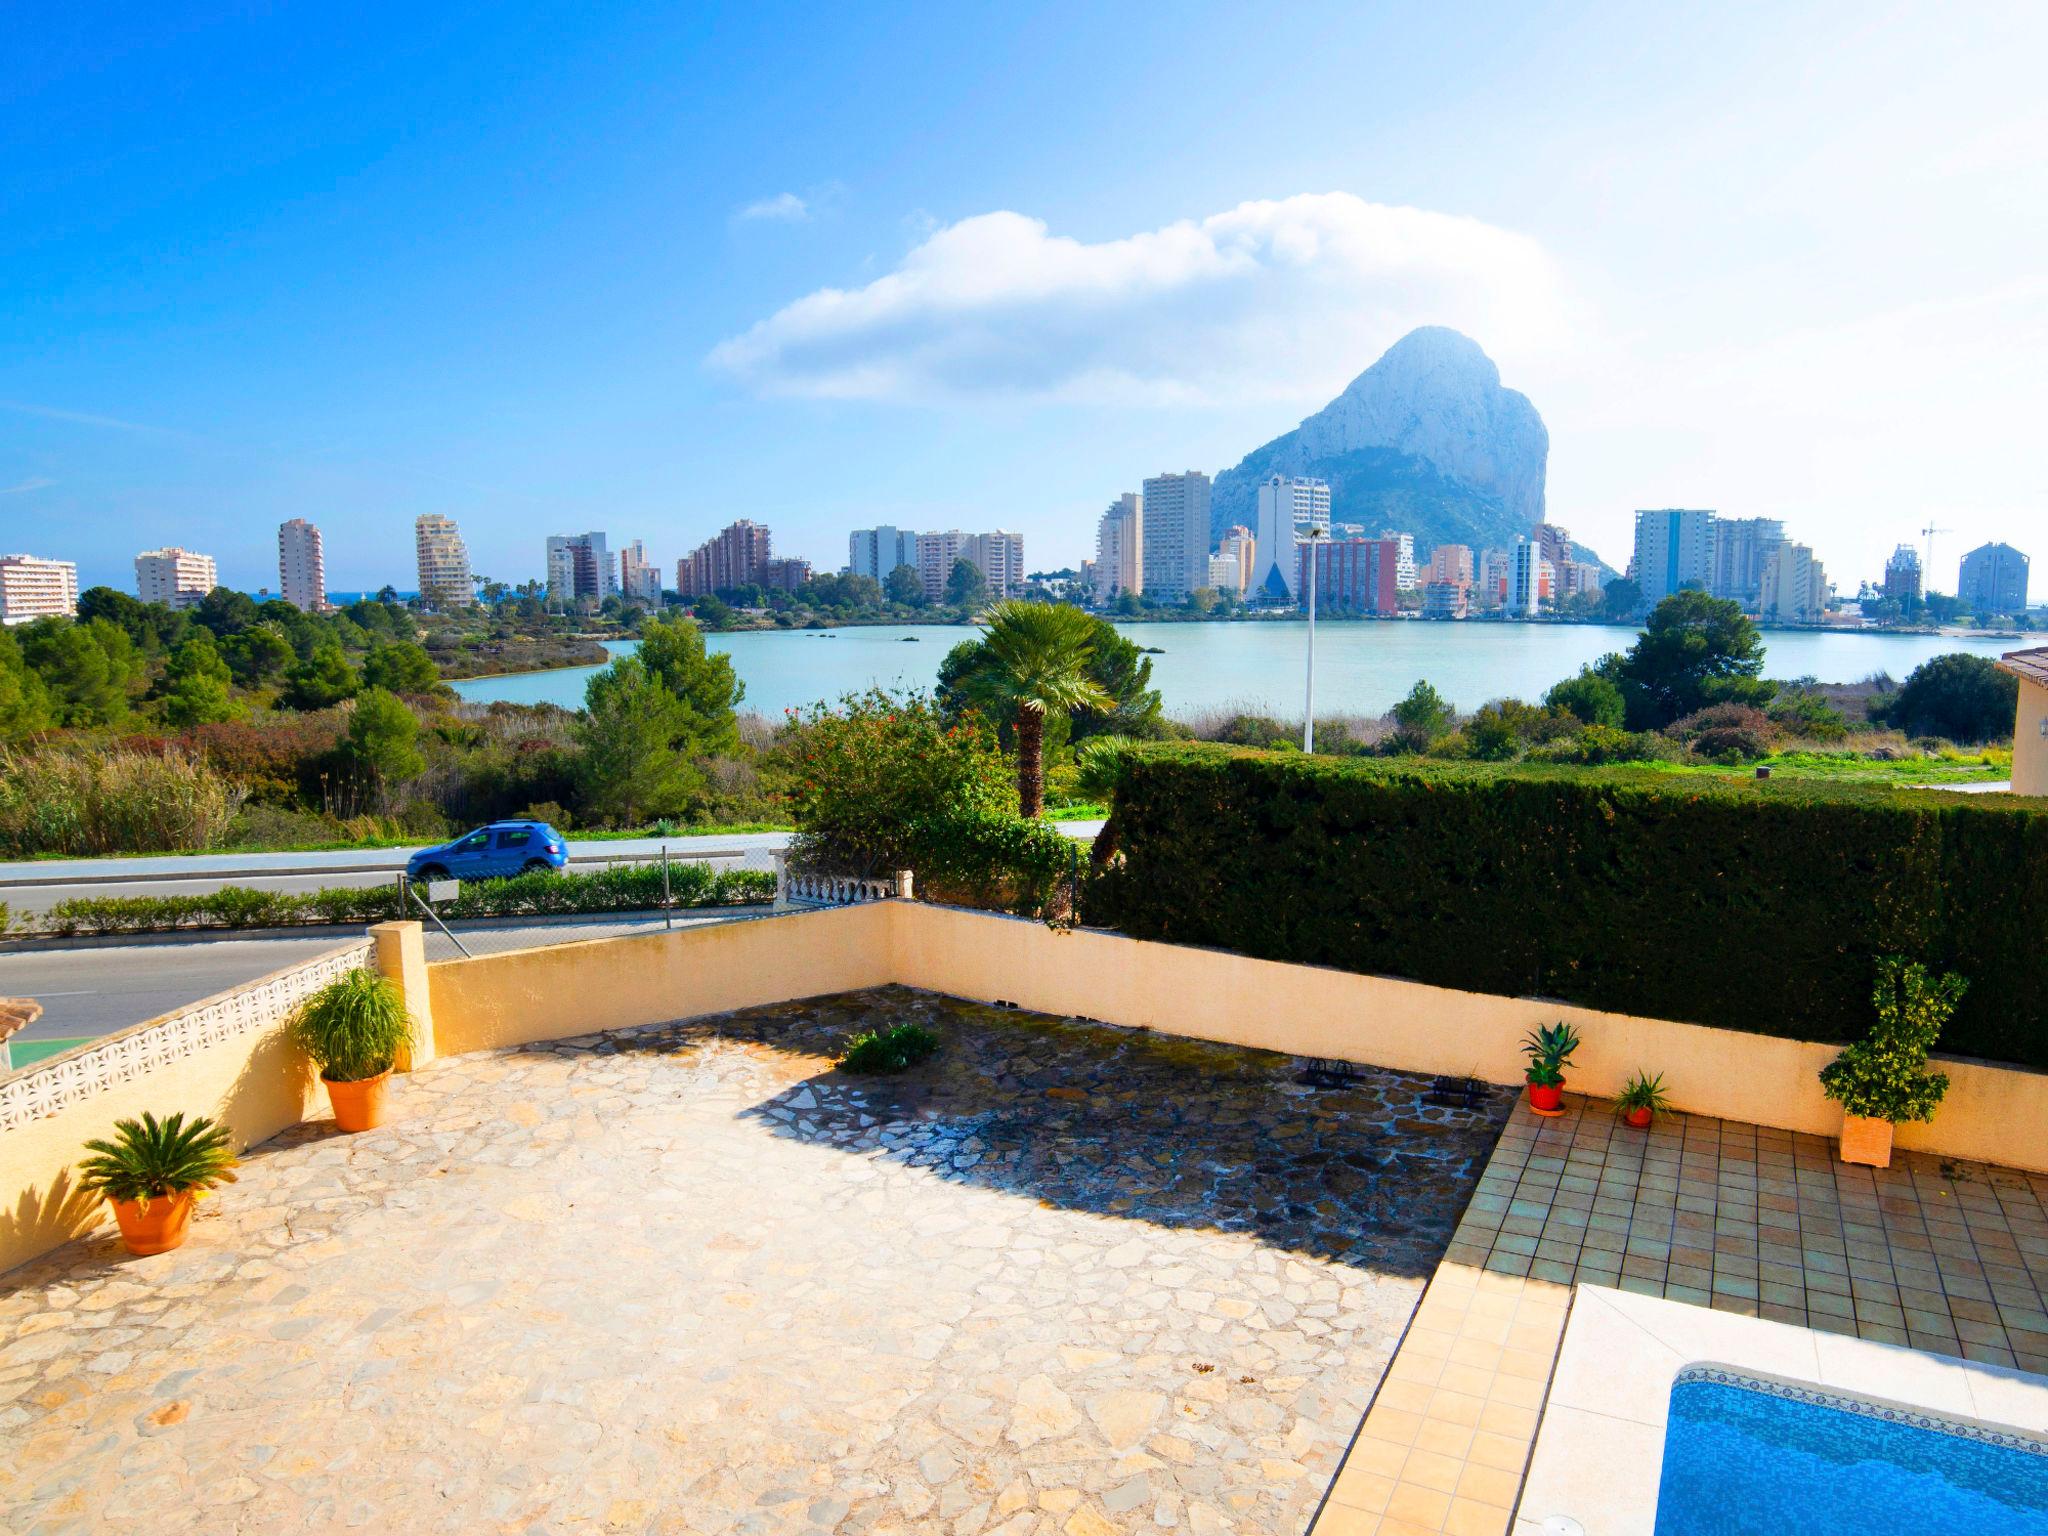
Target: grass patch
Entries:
(888, 1050)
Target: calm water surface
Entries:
(1361, 668)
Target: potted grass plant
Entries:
(1642, 1099)
(354, 1029)
(153, 1172)
(1883, 1078)
(1549, 1050)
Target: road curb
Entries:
(304, 872)
(41, 943)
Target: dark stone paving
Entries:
(1061, 1277)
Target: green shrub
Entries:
(1959, 696)
(96, 801)
(888, 1050)
(354, 1027)
(994, 859)
(1884, 1075)
(1754, 905)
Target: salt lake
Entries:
(1361, 668)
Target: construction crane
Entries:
(1929, 532)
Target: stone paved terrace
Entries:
(1062, 1278)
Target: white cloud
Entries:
(784, 207)
(1282, 299)
(36, 483)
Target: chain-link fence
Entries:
(594, 899)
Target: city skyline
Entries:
(563, 329)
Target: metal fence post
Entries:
(668, 911)
(781, 879)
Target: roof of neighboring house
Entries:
(2031, 665)
(18, 1013)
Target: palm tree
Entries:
(1039, 654)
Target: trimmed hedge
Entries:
(1754, 905)
(619, 888)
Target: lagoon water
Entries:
(1361, 668)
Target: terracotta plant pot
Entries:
(154, 1226)
(1867, 1140)
(359, 1106)
(1547, 1098)
(1639, 1118)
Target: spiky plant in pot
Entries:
(152, 1173)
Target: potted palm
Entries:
(354, 1029)
(1642, 1099)
(153, 1172)
(1882, 1078)
(1549, 1050)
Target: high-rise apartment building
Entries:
(301, 566)
(737, 556)
(1993, 579)
(1553, 542)
(443, 561)
(1451, 563)
(1119, 549)
(785, 573)
(580, 569)
(1902, 573)
(1493, 578)
(1794, 588)
(34, 588)
(1530, 579)
(1674, 549)
(1175, 510)
(1741, 548)
(876, 552)
(639, 577)
(1288, 508)
(1404, 559)
(175, 577)
(1000, 558)
(1352, 575)
(936, 554)
(1241, 548)
(1576, 577)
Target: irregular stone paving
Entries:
(1060, 1278)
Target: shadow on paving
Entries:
(1131, 1123)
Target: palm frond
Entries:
(149, 1157)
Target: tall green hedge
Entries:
(1754, 905)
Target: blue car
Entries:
(490, 853)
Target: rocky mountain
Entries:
(1425, 440)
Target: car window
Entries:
(513, 838)
(476, 842)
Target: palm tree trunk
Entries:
(1030, 761)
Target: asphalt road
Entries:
(95, 990)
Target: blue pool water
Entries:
(1746, 1457)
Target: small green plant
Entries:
(1549, 1050)
(354, 1027)
(1642, 1091)
(888, 1050)
(148, 1158)
(1883, 1076)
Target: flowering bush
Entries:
(1884, 1075)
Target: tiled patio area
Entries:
(1933, 1254)
(1063, 1278)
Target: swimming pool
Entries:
(1749, 1454)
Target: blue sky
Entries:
(647, 269)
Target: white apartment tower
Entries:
(443, 561)
(1119, 549)
(1240, 546)
(1404, 558)
(1794, 588)
(1287, 507)
(1000, 556)
(1742, 548)
(1526, 567)
(175, 577)
(1175, 515)
(876, 552)
(1674, 549)
(936, 553)
(33, 588)
(639, 578)
(301, 567)
(579, 566)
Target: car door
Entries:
(508, 850)
(470, 858)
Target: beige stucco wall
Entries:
(2029, 746)
(572, 989)
(1994, 1114)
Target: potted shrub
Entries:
(1549, 1051)
(153, 1172)
(1642, 1099)
(1882, 1078)
(354, 1028)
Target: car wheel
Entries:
(432, 872)
(540, 866)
